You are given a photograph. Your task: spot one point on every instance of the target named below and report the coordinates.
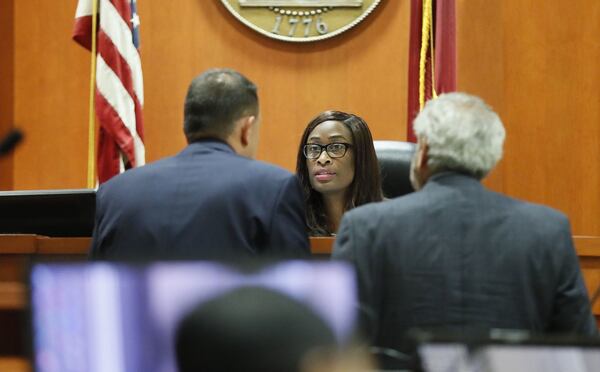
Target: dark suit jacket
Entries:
(206, 202)
(457, 256)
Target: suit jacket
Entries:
(207, 202)
(457, 256)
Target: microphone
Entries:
(11, 140)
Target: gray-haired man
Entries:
(457, 256)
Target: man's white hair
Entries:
(462, 132)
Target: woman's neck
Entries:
(334, 206)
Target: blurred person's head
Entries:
(456, 132)
(223, 104)
(253, 329)
(337, 167)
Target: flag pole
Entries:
(425, 34)
(432, 50)
(91, 171)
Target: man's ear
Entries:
(246, 128)
(423, 155)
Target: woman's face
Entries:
(330, 174)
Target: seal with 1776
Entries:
(300, 20)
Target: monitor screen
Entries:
(536, 354)
(442, 357)
(63, 213)
(541, 358)
(114, 317)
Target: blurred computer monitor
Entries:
(506, 351)
(119, 318)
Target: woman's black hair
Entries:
(366, 185)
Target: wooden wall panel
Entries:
(538, 66)
(552, 79)
(296, 81)
(51, 96)
(480, 71)
(178, 42)
(6, 87)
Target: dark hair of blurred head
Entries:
(366, 186)
(215, 100)
(249, 329)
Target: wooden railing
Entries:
(17, 252)
(588, 250)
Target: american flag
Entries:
(119, 94)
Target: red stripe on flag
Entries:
(82, 31)
(115, 61)
(445, 47)
(124, 9)
(114, 126)
(121, 68)
(139, 118)
(108, 157)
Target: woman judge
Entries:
(337, 168)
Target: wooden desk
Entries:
(11, 364)
(588, 250)
(16, 254)
(321, 245)
(18, 251)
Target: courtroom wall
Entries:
(362, 71)
(537, 65)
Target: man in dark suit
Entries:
(210, 201)
(455, 255)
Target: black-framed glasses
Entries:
(334, 150)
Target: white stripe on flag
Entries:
(111, 87)
(84, 8)
(121, 164)
(119, 32)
